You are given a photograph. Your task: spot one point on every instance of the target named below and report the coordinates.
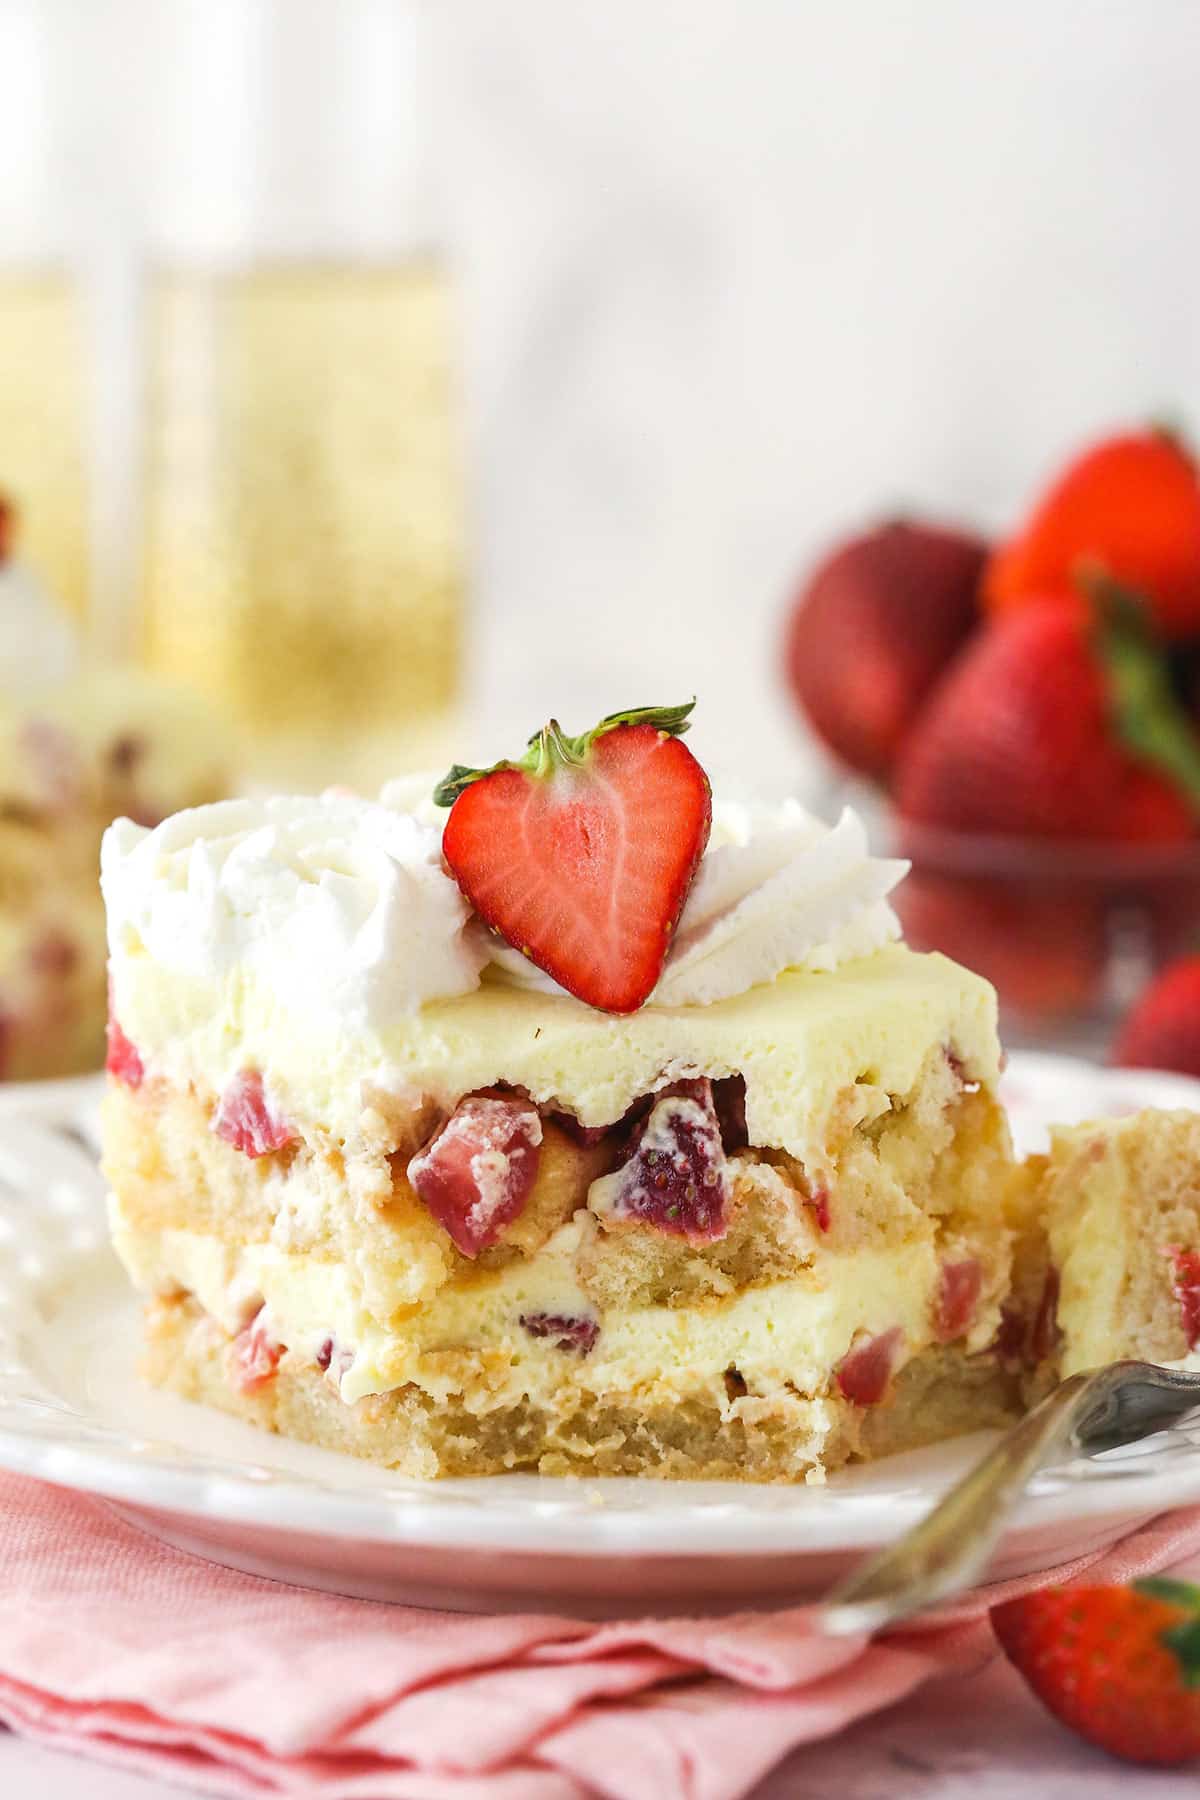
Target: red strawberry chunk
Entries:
(674, 1176)
(478, 1172)
(333, 1358)
(122, 1060)
(246, 1120)
(818, 1199)
(567, 1331)
(957, 1298)
(1186, 1282)
(254, 1354)
(865, 1371)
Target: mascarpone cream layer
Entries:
(788, 1331)
(799, 1041)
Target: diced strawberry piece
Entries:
(957, 1298)
(478, 1172)
(1186, 1282)
(54, 955)
(332, 1356)
(818, 1199)
(254, 1354)
(244, 1117)
(122, 1059)
(584, 1135)
(674, 1174)
(568, 1331)
(865, 1371)
(1011, 1335)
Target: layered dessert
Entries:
(572, 1124)
(1117, 1208)
(75, 754)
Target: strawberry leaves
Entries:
(551, 748)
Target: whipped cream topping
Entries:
(776, 889)
(346, 906)
(339, 902)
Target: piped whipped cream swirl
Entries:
(776, 889)
(340, 903)
(346, 906)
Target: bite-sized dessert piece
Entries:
(73, 757)
(1119, 1203)
(560, 1134)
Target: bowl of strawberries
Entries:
(1024, 719)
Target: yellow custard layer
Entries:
(784, 1332)
(800, 1041)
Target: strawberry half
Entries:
(581, 855)
(1121, 1666)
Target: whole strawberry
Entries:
(872, 631)
(1056, 722)
(1129, 506)
(1163, 1029)
(581, 854)
(1120, 1666)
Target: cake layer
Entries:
(570, 1431)
(802, 1043)
(781, 1335)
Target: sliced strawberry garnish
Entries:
(865, 1372)
(246, 1119)
(957, 1301)
(254, 1354)
(122, 1059)
(569, 1331)
(582, 854)
(673, 1175)
(1185, 1279)
(478, 1172)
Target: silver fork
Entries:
(949, 1549)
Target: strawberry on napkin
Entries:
(117, 1647)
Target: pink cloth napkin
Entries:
(116, 1647)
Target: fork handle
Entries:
(950, 1547)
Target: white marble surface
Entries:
(976, 1739)
(737, 276)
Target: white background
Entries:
(735, 274)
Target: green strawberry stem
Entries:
(1148, 717)
(1184, 1638)
(550, 748)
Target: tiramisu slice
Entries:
(554, 1132)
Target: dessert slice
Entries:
(745, 1210)
(1119, 1202)
(73, 757)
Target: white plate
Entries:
(73, 1412)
